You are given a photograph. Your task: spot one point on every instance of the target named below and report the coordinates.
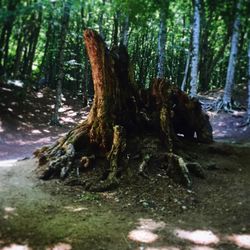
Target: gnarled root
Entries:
(178, 170)
(55, 165)
(113, 157)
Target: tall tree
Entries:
(162, 40)
(60, 71)
(232, 60)
(125, 32)
(195, 49)
(6, 32)
(100, 20)
(248, 107)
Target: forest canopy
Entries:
(34, 32)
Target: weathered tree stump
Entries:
(119, 114)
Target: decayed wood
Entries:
(119, 112)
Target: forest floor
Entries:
(152, 214)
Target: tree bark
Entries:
(119, 114)
(63, 33)
(184, 81)
(100, 20)
(162, 44)
(125, 32)
(248, 107)
(232, 61)
(115, 30)
(195, 50)
(6, 32)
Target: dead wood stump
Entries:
(117, 116)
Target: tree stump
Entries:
(118, 115)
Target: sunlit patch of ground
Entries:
(17, 83)
(60, 246)
(75, 209)
(16, 247)
(7, 163)
(143, 236)
(240, 240)
(203, 237)
(162, 248)
(145, 231)
(201, 248)
(9, 212)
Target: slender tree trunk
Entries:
(19, 49)
(33, 45)
(100, 20)
(248, 107)
(232, 61)
(205, 50)
(63, 34)
(115, 30)
(125, 32)
(184, 81)
(162, 44)
(195, 49)
(6, 33)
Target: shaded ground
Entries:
(146, 214)
(25, 118)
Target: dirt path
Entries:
(38, 215)
(155, 215)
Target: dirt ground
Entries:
(152, 214)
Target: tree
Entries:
(60, 57)
(162, 41)
(232, 60)
(118, 113)
(195, 49)
(6, 32)
(125, 32)
(248, 107)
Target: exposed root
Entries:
(87, 161)
(178, 170)
(114, 158)
(246, 123)
(55, 165)
(144, 165)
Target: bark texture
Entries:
(195, 50)
(248, 107)
(120, 123)
(60, 56)
(232, 61)
(162, 44)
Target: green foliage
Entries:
(36, 24)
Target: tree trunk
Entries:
(6, 32)
(205, 53)
(248, 107)
(34, 40)
(184, 81)
(120, 123)
(232, 61)
(195, 50)
(19, 49)
(115, 30)
(64, 27)
(162, 44)
(100, 20)
(125, 32)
